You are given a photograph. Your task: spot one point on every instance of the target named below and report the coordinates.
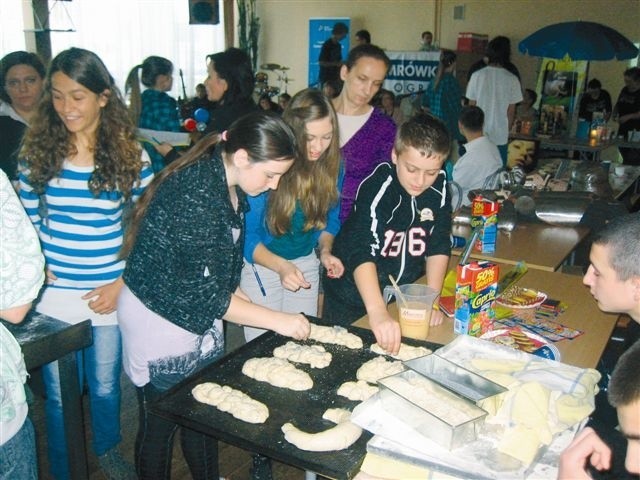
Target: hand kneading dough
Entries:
(406, 352)
(315, 355)
(278, 372)
(342, 436)
(336, 335)
(357, 391)
(235, 402)
(378, 368)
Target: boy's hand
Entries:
(586, 447)
(386, 330)
(437, 317)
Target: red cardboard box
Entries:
(472, 42)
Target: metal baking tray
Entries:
(455, 378)
(432, 410)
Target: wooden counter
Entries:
(582, 313)
(44, 339)
(541, 246)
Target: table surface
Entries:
(304, 409)
(582, 313)
(541, 246)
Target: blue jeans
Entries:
(18, 456)
(100, 365)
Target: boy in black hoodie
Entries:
(400, 224)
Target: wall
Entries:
(519, 18)
(397, 25)
(284, 37)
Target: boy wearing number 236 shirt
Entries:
(400, 223)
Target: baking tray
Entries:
(436, 422)
(455, 378)
(304, 409)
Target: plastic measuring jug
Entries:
(414, 308)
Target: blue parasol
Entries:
(580, 41)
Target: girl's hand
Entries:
(294, 325)
(51, 277)
(292, 278)
(104, 298)
(163, 148)
(334, 266)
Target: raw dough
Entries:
(378, 368)
(235, 402)
(278, 372)
(434, 399)
(342, 436)
(314, 355)
(336, 335)
(406, 352)
(358, 391)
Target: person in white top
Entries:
(496, 91)
(481, 160)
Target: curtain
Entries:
(124, 32)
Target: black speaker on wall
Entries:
(204, 12)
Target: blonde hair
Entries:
(312, 183)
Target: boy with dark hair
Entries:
(614, 280)
(400, 223)
(481, 159)
(330, 58)
(363, 37)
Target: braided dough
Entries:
(378, 368)
(277, 372)
(406, 352)
(232, 401)
(315, 355)
(357, 391)
(336, 335)
(342, 436)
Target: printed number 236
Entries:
(393, 242)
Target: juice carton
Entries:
(476, 286)
(484, 214)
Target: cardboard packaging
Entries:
(472, 42)
(476, 290)
(484, 214)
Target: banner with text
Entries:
(319, 32)
(411, 72)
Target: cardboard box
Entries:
(472, 42)
(476, 290)
(484, 214)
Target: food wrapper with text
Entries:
(476, 286)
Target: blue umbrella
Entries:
(580, 41)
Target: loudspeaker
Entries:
(204, 12)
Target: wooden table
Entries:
(582, 314)
(541, 246)
(587, 149)
(43, 340)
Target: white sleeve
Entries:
(21, 260)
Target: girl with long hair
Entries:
(82, 166)
(285, 225)
(182, 278)
(153, 109)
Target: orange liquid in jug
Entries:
(414, 320)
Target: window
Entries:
(124, 32)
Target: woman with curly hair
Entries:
(284, 226)
(81, 166)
